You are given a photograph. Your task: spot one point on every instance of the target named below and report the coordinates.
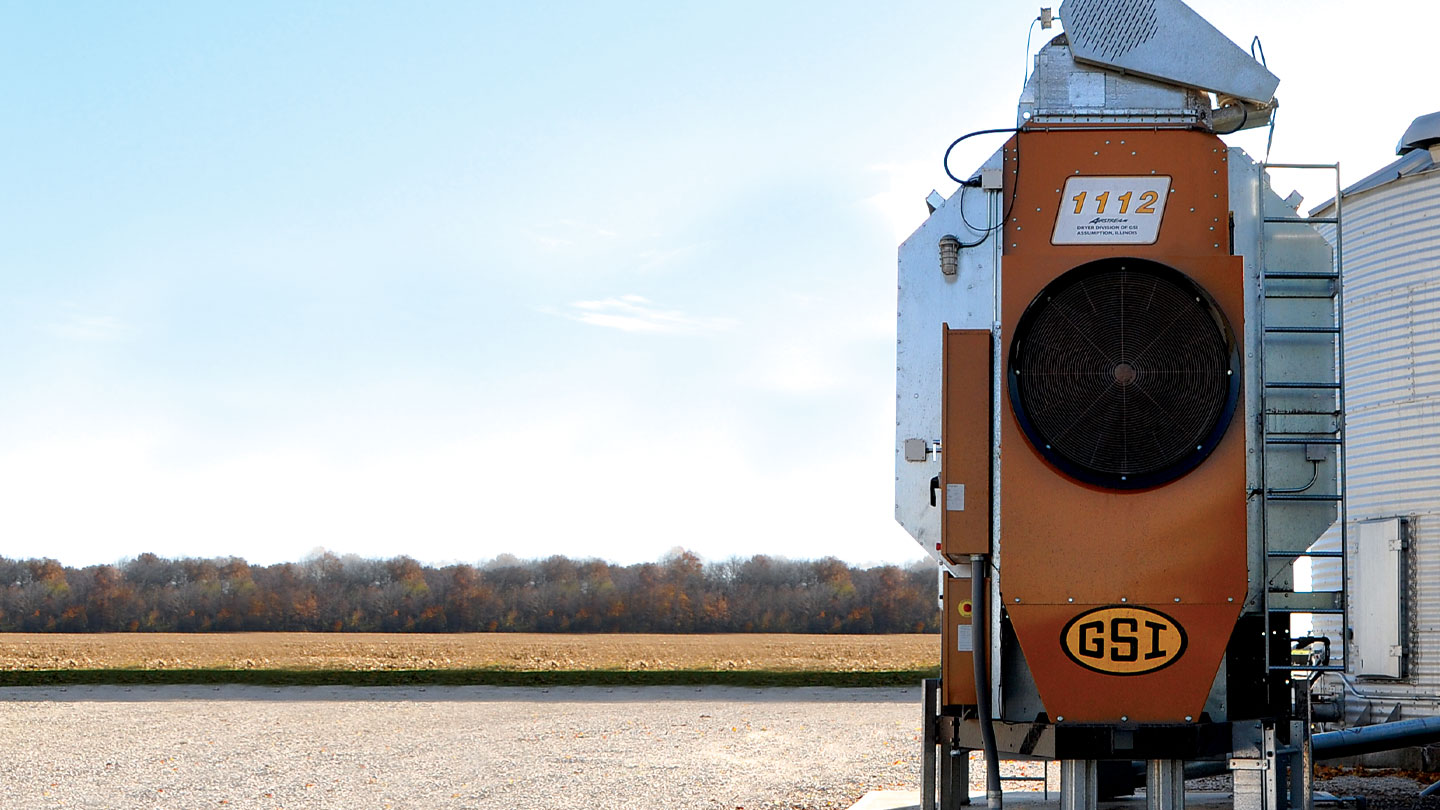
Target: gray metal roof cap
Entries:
(1167, 41)
(1423, 132)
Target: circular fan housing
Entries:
(1124, 373)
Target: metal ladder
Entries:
(1305, 415)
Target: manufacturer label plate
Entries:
(1123, 640)
(1111, 210)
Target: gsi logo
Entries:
(1123, 640)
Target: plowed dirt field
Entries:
(505, 651)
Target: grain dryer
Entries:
(1119, 422)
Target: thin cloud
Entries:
(636, 313)
(89, 328)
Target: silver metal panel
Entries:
(1167, 41)
(928, 300)
(1290, 526)
(1062, 90)
(1378, 572)
(1244, 197)
(1392, 349)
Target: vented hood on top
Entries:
(1167, 41)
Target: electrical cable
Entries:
(1027, 52)
(1270, 139)
(1256, 43)
(985, 232)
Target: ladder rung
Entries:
(1288, 440)
(1305, 220)
(1276, 496)
(1306, 668)
(1303, 330)
(1316, 611)
(1302, 274)
(1316, 385)
(1305, 553)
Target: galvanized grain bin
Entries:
(1391, 237)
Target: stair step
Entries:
(1302, 330)
(1293, 275)
(1277, 496)
(1292, 440)
(1305, 220)
(1332, 386)
(1296, 554)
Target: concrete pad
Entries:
(889, 800)
(910, 800)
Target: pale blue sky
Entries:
(459, 279)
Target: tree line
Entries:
(329, 593)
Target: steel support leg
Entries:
(954, 778)
(930, 699)
(1256, 768)
(1078, 781)
(1165, 784)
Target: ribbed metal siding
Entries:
(1392, 380)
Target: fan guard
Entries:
(1124, 373)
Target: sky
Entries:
(455, 280)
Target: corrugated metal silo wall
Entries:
(1392, 382)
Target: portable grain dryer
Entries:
(1119, 424)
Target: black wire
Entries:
(964, 184)
(1256, 43)
(1028, 57)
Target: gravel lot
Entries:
(453, 747)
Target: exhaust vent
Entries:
(1111, 29)
(1124, 373)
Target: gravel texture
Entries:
(453, 747)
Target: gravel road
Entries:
(453, 747)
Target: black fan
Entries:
(1124, 373)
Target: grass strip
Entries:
(462, 677)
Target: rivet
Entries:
(1188, 718)
(1124, 718)
(1177, 599)
(1017, 599)
(1071, 599)
(1059, 718)
(1123, 599)
(1231, 599)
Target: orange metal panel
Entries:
(957, 668)
(966, 443)
(1068, 547)
(1081, 695)
(1196, 214)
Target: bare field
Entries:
(506, 651)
